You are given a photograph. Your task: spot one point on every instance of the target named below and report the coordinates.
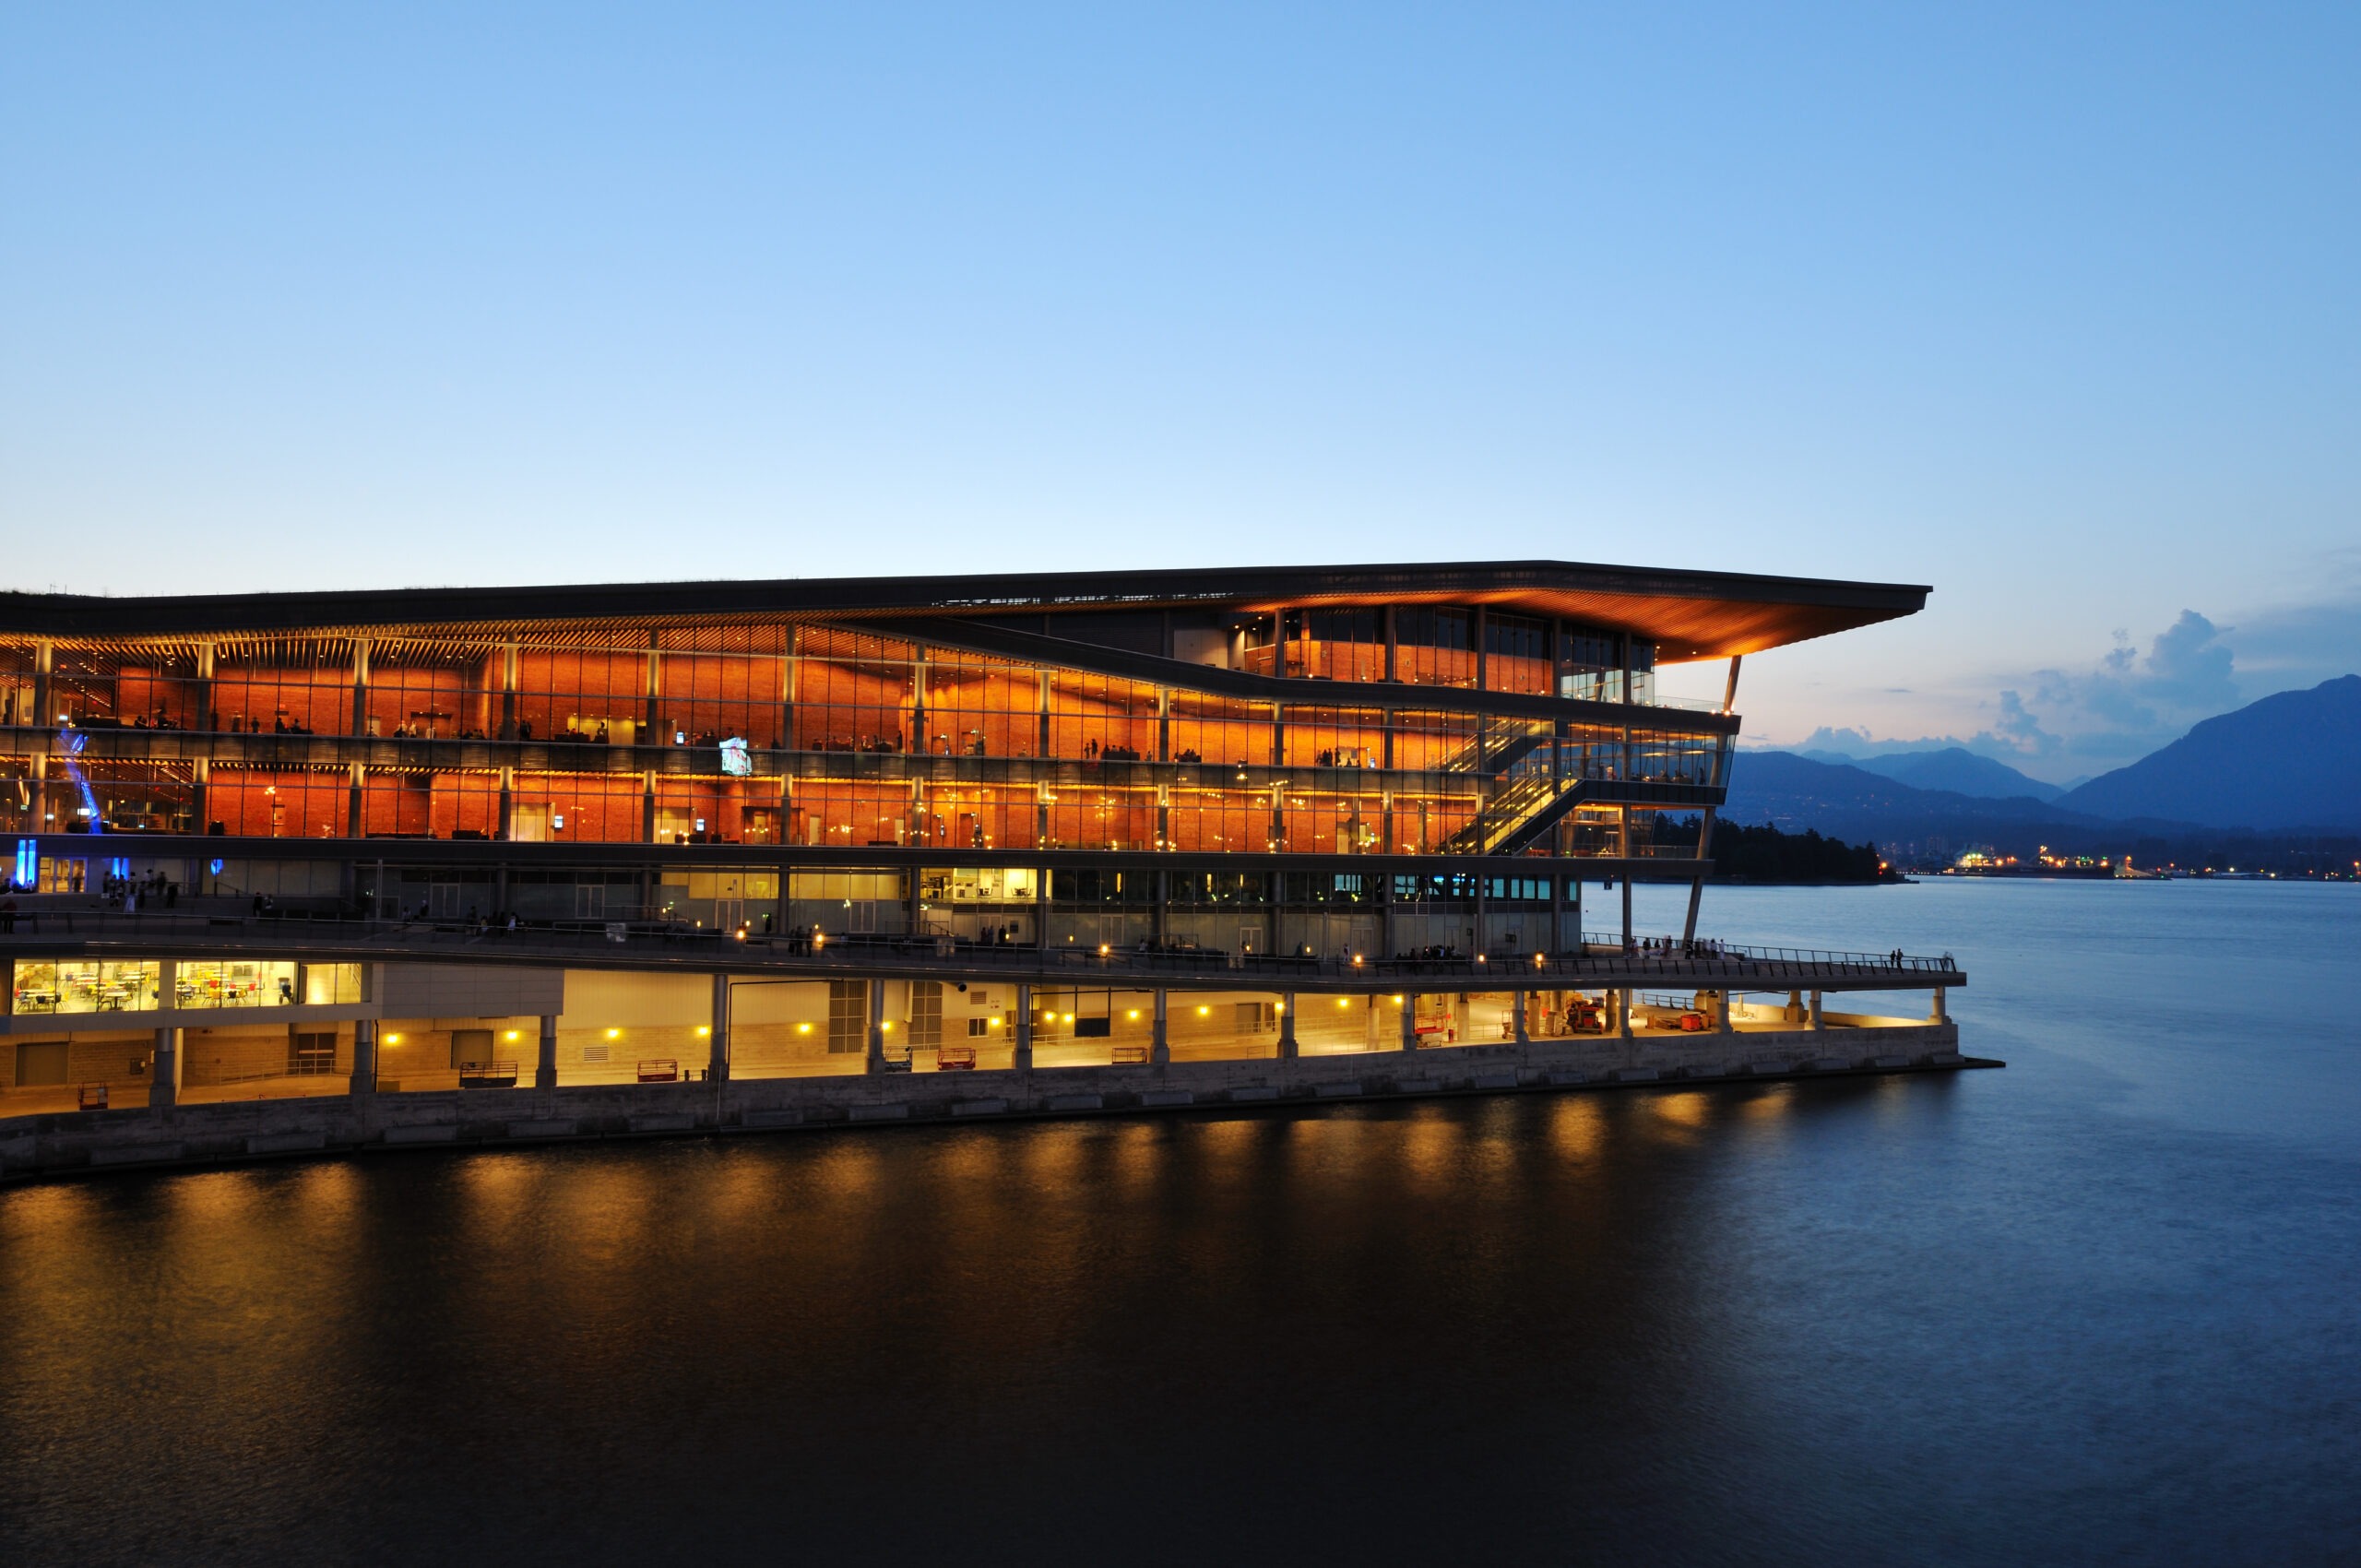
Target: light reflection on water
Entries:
(2072, 1312)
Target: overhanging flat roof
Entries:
(1688, 615)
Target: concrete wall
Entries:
(241, 1052)
(414, 1054)
(116, 1058)
(408, 991)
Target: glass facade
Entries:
(1371, 735)
(107, 985)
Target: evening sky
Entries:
(2052, 307)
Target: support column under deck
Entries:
(876, 1063)
(545, 1064)
(364, 1058)
(1286, 1026)
(718, 1058)
(1159, 1049)
(164, 1071)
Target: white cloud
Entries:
(2118, 709)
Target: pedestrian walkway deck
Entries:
(1601, 961)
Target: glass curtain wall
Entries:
(1335, 645)
(432, 691)
(1434, 646)
(1098, 718)
(979, 707)
(1220, 731)
(17, 687)
(1590, 666)
(851, 740)
(298, 686)
(589, 696)
(853, 693)
(280, 803)
(1516, 654)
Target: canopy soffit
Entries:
(1690, 615)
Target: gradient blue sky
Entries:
(2052, 307)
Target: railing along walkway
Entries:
(1603, 960)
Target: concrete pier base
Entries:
(66, 1144)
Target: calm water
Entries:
(2099, 1307)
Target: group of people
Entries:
(129, 894)
(426, 733)
(803, 938)
(475, 921)
(1668, 948)
(159, 721)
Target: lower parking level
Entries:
(426, 1028)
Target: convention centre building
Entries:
(1065, 836)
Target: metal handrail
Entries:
(1747, 952)
(1599, 960)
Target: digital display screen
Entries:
(736, 760)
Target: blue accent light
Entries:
(74, 741)
(215, 866)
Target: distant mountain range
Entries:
(1849, 802)
(1954, 769)
(2289, 763)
